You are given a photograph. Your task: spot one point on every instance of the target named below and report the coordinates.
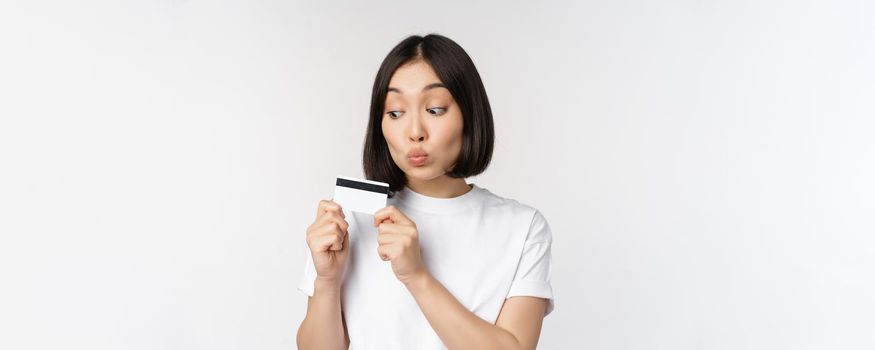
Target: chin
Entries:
(425, 173)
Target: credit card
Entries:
(359, 195)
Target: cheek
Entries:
(451, 137)
(390, 135)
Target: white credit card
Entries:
(359, 195)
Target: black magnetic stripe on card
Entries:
(363, 186)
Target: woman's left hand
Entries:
(399, 243)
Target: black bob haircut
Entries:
(456, 71)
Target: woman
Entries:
(446, 264)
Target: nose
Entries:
(416, 130)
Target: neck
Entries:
(441, 187)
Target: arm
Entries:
(519, 322)
(323, 327)
(518, 325)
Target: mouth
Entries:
(417, 161)
(417, 157)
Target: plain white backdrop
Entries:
(706, 166)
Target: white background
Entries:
(706, 166)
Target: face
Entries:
(422, 123)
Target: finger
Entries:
(393, 214)
(325, 242)
(338, 243)
(340, 236)
(326, 205)
(385, 252)
(319, 226)
(332, 217)
(387, 238)
(388, 227)
(329, 229)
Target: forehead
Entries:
(412, 77)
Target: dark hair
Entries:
(457, 72)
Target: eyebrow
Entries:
(427, 87)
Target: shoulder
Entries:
(509, 208)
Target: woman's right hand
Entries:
(327, 238)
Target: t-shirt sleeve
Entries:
(533, 273)
(308, 278)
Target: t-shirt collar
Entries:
(421, 202)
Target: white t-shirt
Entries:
(483, 248)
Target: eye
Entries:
(437, 111)
(394, 114)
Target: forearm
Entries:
(457, 327)
(322, 327)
